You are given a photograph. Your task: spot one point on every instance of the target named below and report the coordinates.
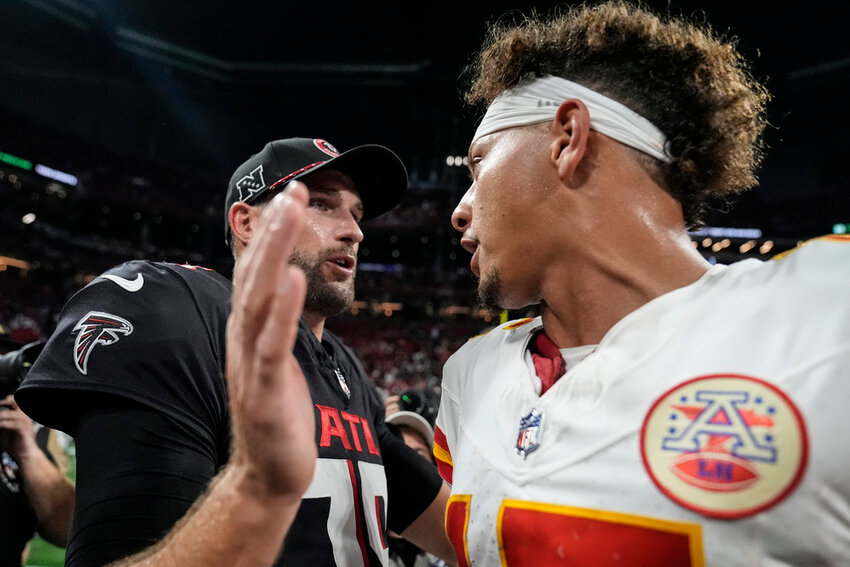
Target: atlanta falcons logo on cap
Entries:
(326, 147)
(97, 328)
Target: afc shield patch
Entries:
(726, 446)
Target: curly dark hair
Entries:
(691, 83)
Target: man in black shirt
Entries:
(138, 355)
(35, 496)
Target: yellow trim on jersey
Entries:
(518, 323)
(832, 237)
(510, 327)
(443, 455)
(693, 531)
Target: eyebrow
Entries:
(324, 190)
(471, 164)
(331, 192)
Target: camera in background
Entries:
(420, 401)
(14, 366)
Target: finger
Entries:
(277, 338)
(275, 234)
(9, 422)
(264, 274)
(393, 408)
(259, 271)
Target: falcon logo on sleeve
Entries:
(97, 328)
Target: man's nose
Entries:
(462, 215)
(350, 230)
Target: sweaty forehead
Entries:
(484, 143)
(475, 147)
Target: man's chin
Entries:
(489, 293)
(326, 296)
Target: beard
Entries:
(323, 297)
(489, 292)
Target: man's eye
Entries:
(319, 204)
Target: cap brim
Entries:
(378, 174)
(415, 422)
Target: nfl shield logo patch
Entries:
(530, 431)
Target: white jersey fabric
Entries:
(708, 428)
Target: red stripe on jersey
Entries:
(445, 466)
(357, 515)
(379, 513)
(518, 323)
(457, 523)
(548, 536)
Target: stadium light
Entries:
(56, 175)
(18, 162)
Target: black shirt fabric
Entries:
(17, 519)
(136, 374)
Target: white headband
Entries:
(537, 101)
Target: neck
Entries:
(629, 246)
(316, 322)
(583, 300)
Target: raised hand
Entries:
(244, 517)
(273, 419)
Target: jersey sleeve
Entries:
(445, 432)
(149, 332)
(412, 482)
(453, 386)
(138, 472)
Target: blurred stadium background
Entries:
(120, 123)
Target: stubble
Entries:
(322, 296)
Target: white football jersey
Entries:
(708, 428)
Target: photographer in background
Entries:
(410, 415)
(35, 496)
(418, 400)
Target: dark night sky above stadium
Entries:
(204, 84)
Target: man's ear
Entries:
(241, 219)
(570, 131)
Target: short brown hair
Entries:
(689, 82)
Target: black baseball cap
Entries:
(377, 172)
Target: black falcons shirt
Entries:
(150, 336)
(17, 519)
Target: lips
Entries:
(342, 263)
(471, 246)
